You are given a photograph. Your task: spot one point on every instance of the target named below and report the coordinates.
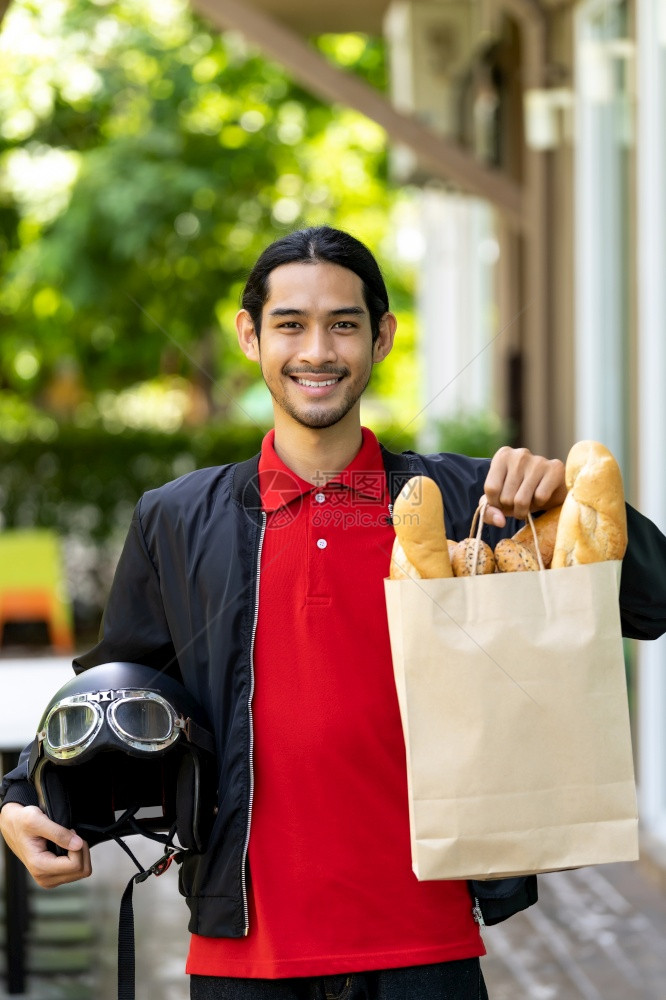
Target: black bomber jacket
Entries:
(185, 599)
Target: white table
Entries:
(26, 687)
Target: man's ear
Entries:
(384, 342)
(247, 335)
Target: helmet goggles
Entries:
(139, 719)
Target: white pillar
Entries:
(602, 254)
(456, 305)
(651, 68)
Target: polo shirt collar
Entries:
(278, 485)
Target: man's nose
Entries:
(317, 347)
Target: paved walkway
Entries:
(596, 933)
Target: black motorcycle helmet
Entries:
(121, 749)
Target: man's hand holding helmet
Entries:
(27, 829)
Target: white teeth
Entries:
(305, 381)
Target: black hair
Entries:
(313, 245)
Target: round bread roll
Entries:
(546, 528)
(512, 557)
(462, 560)
(593, 522)
(418, 518)
(401, 568)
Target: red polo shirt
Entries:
(332, 888)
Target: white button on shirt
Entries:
(319, 497)
(321, 543)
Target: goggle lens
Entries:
(70, 725)
(142, 720)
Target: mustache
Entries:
(303, 370)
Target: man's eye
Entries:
(345, 324)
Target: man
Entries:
(260, 585)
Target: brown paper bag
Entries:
(514, 708)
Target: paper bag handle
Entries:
(478, 513)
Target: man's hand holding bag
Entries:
(511, 683)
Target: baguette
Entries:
(418, 517)
(593, 522)
(401, 567)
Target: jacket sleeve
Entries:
(15, 786)
(643, 583)
(134, 629)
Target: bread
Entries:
(418, 518)
(512, 557)
(593, 522)
(401, 568)
(546, 529)
(463, 558)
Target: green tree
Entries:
(145, 160)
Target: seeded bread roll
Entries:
(593, 522)
(418, 517)
(463, 558)
(546, 529)
(512, 557)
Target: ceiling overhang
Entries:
(440, 158)
(316, 17)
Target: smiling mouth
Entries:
(316, 383)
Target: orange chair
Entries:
(33, 585)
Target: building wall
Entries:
(651, 379)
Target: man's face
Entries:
(316, 352)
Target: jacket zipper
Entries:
(250, 754)
(477, 912)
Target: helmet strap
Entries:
(126, 943)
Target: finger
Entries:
(552, 489)
(523, 500)
(493, 515)
(496, 477)
(37, 824)
(542, 487)
(512, 479)
(49, 870)
(86, 869)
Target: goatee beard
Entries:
(319, 417)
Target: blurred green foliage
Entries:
(478, 434)
(145, 161)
